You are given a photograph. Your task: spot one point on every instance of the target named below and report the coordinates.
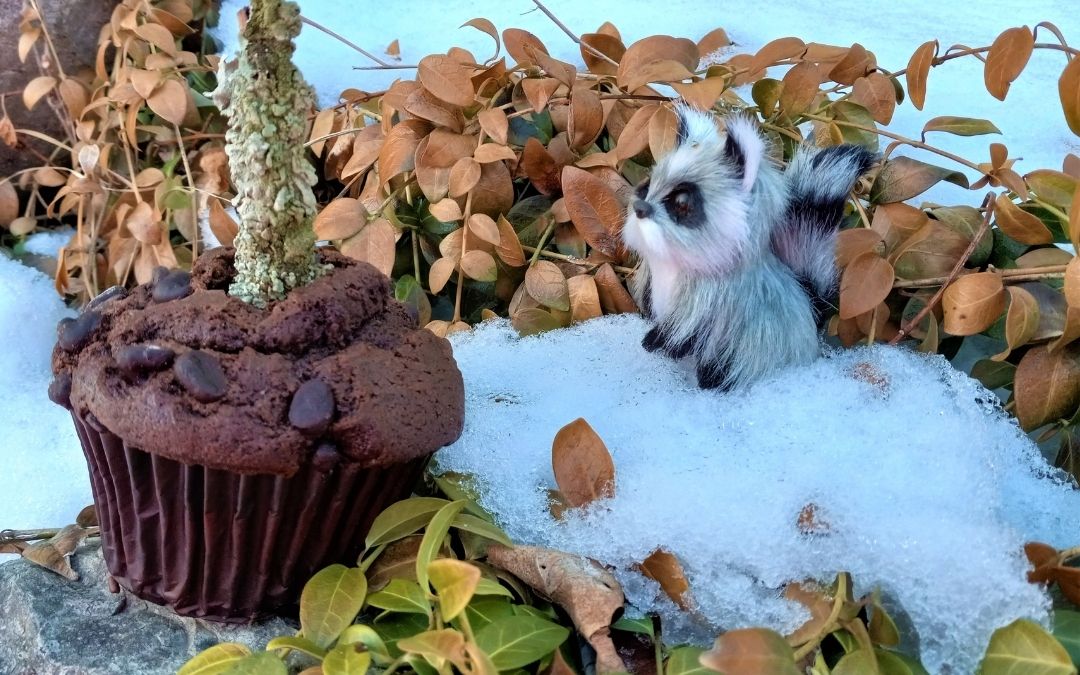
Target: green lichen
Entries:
(267, 101)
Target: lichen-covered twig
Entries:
(267, 102)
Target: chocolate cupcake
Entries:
(233, 450)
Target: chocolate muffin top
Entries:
(179, 368)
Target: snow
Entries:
(1030, 119)
(928, 488)
(43, 479)
(48, 242)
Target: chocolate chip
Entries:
(312, 407)
(111, 293)
(201, 375)
(144, 358)
(173, 286)
(326, 457)
(413, 312)
(158, 274)
(75, 334)
(60, 390)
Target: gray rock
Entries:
(52, 626)
(74, 26)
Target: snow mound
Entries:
(929, 490)
(49, 242)
(43, 479)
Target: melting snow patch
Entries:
(929, 490)
(43, 478)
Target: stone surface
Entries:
(51, 626)
(74, 26)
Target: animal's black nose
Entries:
(642, 208)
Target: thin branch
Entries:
(1010, 276)
(988, 204)
(319, 26)
(576, 261)
(979, 50)
(584, 45)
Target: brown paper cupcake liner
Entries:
(227, 546)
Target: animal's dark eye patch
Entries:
(684, 205)
(642, 189)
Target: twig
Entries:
(903, 139)
(1015, 275)
(389, 66)
(319, 26)
(589, 48)
(988, 204)
(577, 261)
(979, 50)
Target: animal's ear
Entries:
(695, 128)
(744, 149)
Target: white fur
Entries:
(717, 283)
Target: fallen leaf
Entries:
(664, 568)
(582, 464)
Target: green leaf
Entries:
(1067, 631)
(330, 602)
(848, 111)
(394, 627)
(346, 660)
(366, 635)
(434, 534)
(684, 661)
(480, 527)
(637, 624)
(461, 486)
(215, 660)
(402, 518)
(455, 583)
(961, 126)
(858, 662)
(993, 374)
(1024, 647)
(260, 663)
(882, 628)
(491, 587)
(487, 611)
(520, 640)
(297, 644)
(893, 663)
(401, 595)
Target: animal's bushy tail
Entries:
(819, 181)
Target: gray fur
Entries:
(718, 291)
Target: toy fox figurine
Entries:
(737, 256)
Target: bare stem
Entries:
(584, 45)
(988, 204)
(319, 26)
(1012, 276)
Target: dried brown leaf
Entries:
(614, 297)
(586, 119)
(509, 247)
(545, 282)
(495, 124)
(610, 45)
(9, 203)
(7, 132)
(440, 273)
(584, 298)
(518, 42)
(594, 209)
(538, 91)
(170, 101)
(447, 210)
(374, 244)
(856, 63)
(446, 79)
(37, 88)
(464, 175)
(664, 568)
(973, 303)
(1047, 385)
(1021, 321)
(1019, 224)
(800, 88)
(715, 39)
(494, 152)
(582, 464)
(541, 168)
(918, 69)
(751, 651)
(425, 105)
(222, 225)
(866, 282)
(702, 94)
(854, 242)
(341, 219)
(533, 320)
(1006, 59)
(479, 265)
(483, 227)
(1069, 92)
(875, 92)
(653, 49)
(634, 138)
(663, 131)
(494, 193)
